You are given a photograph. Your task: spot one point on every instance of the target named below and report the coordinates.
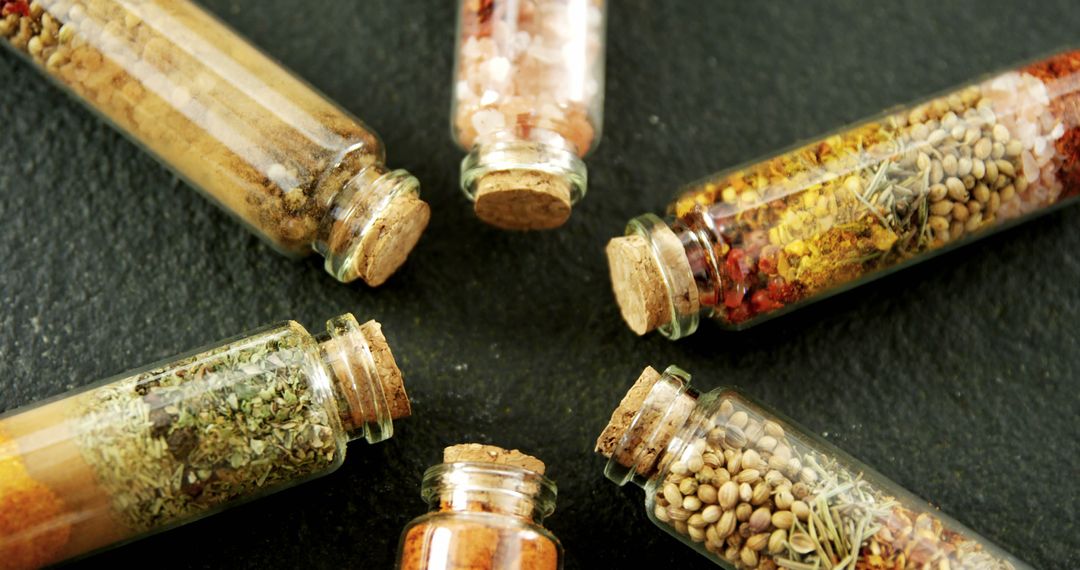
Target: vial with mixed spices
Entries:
(528, 104)
(294, 167)
(182, 439)
(487, 513)
(751, 243)
(749, 489)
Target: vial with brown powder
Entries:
(487, 513)
(295, 168)
(756, 241)
(527, 106)
(749, 489)
(183, 439)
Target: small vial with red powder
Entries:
(487, 513)
(528, 105)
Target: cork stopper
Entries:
(523, 199)
(394, 233)
(476, 452)
(638, 284)
(640, 444)
(393, 383)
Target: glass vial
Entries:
(749, 489)
(294, 167)
(756, 241)
(185, 438)
(528, 103)
(487, 511)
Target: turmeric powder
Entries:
(32, 527)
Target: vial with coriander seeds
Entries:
(527, 106)
(750, 489)
(185, 438)
(487, 512)
(295, 168)
(753, 242)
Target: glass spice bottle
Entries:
(748, 488)
(487, 513)
(528, 103)
(753, 242)
(291, 165)
(182, 439)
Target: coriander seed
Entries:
(821, 506)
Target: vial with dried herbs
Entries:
(751, 243)
(183, 439)
(487, 513)
(294, 167)
(527, 106)
(750, 489)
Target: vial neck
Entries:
(372, 222)
(524, 184)
(660, 408)
(365, 383)
(685, 278)
(489, 488)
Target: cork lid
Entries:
(639, 444)
(477, 452)
(393, 235)
(638, 283)
(393, 383)
(523, 199)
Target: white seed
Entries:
(776, 541)
(973, 222)
(963, 166)
(697, 533)
(957, 191)
(679, 468)
(760, 519)
(801, 510)
(1001, 133)
(695, 463)
(672, 494)
(978, 168)
(707, 494)
(729, 495)
(938, 192)
(691, 503)
(783, 519)
(751, 460)
(726, 525)
(738, 419)
(746, 492)
(950, 165)
(983, 148)
(784, 500)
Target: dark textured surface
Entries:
(958, 378)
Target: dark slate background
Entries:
(957, 378)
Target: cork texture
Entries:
(392, 237)
(393, 382)
(647, 458)
(523, 200)
(492, 454)
(638, 284)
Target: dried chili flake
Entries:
(20, 7)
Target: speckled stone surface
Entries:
(958, 378)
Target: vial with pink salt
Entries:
(527, 106)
